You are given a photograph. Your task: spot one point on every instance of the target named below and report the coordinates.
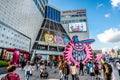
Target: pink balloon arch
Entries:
(77, 51)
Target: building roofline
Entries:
(68, 11)
(53, 7)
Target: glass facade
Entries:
(41, 5)
(52, 13)
(51, 33)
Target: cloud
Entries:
(107, 15)
(111, 35)
(115, 3)
(100, 5)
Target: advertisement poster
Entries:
(49, 38)
(77, 27)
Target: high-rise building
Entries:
(75, 23)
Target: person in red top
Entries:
(11, 74)
(97, 71)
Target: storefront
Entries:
(10, 54)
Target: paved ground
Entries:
(56, 76)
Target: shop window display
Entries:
(52, 48)
(43, 47)
(61, 48)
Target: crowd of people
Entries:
(91, 68)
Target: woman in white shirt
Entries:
(73, 71)
(118, 66)
(28, 69)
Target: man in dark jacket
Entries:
(81, 68)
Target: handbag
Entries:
(32, 70)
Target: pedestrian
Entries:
(23, 63)
(73, 71)
(91, 70)
(11, 75)
(118, 66)
(28, 70)
(65, 70)
(55, 65)
(97, 71)
(87, 67)
(81, 68)
(107, 70)
(60, 69)
(42, 67)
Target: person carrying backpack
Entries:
(91, 68)
(107, 70)
(11, 75)
(97, 71)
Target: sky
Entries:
(103, 20)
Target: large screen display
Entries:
(10, 38)
(77, 27)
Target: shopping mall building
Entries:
(34, 27)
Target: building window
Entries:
(73, 21)
(52, 48)
(61, 49)
(43, 47)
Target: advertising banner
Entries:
(77, 27)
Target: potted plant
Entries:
(3, 65)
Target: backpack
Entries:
(91, 70)
(108, 68)
(96, 67)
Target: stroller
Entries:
(43, 73)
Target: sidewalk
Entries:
(56, 76)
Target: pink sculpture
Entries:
(99, 56)
(16, 56)
(77, 51)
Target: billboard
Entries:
(77, 27)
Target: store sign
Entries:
(10, 38)
(49, 38)
(77, 51)
(75, 11)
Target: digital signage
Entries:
(77, 27)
